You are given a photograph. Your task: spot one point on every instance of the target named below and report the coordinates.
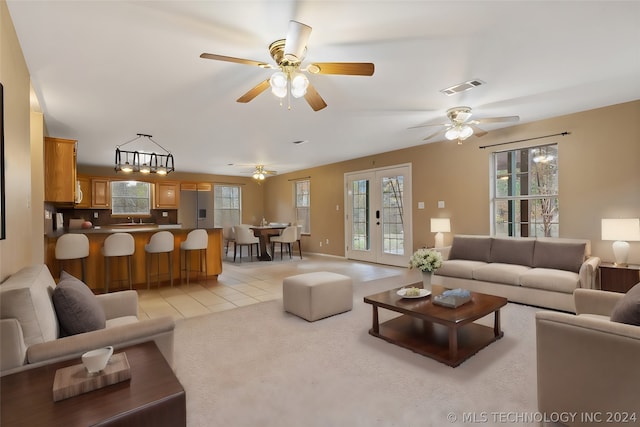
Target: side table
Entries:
(618, 278)
(152, 397)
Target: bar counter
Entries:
(95, 273)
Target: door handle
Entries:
(377, 217)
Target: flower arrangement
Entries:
(428, 260)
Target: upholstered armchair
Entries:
(587, 363)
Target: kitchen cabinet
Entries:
(60, 170)
(167, 195)
(192, 186)
(83, 197)
(100, 193)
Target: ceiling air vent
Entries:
(461, 87)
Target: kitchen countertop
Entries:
(135, 228)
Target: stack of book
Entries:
(453, 298)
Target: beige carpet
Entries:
(260, 366)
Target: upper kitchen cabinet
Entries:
(60, 170)
(167, 195)
(100, 193)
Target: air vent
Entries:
(461, 87)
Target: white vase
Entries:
(426, 280)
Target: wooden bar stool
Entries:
(160, 242)
(118, 245)
(72, 246)
(197, 240)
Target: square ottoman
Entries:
(314, 296)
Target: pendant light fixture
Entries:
(143, 162)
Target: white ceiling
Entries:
(104, 71)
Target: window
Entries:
(130, 198)
(525, 192)
(303, 204)
(226, 205)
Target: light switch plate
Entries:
(441, 204)
(420, 205)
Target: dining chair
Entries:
(289, 235)
(245, 237)
(229, 235)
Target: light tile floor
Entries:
(246, 283)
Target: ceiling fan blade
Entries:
(432, 135)
(477, 131)
(344, 68)
(314, 99)
(255, 91)
(498, 119)
(429, 124)
(236, 60)
(295, 44)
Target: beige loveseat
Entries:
(587, 364)
(542, 272)
(30, 334)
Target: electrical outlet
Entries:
(327, 242)
(165, 214)
(95, 215)
(320, 243)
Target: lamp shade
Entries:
(440, 225)
(627, 229)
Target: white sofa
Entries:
(541, 272)
(30, 334)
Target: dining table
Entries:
(263, 234)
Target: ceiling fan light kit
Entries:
(288, 55)
(460, 126)
(260, 173)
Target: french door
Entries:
(378, 215)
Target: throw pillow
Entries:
(627, 309)
(472, 248)
(77, 308)
(514, 250)
(559, 256)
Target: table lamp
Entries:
(621, 230)
(439, 226)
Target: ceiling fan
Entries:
(460, 126)
(289, 79)
(260, 173)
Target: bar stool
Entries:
(118, 245)
(72, 246)
(197, 240)
(160, 242)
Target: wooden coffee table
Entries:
(447, 335)
(152, 397)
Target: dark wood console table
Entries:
(152, 397)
